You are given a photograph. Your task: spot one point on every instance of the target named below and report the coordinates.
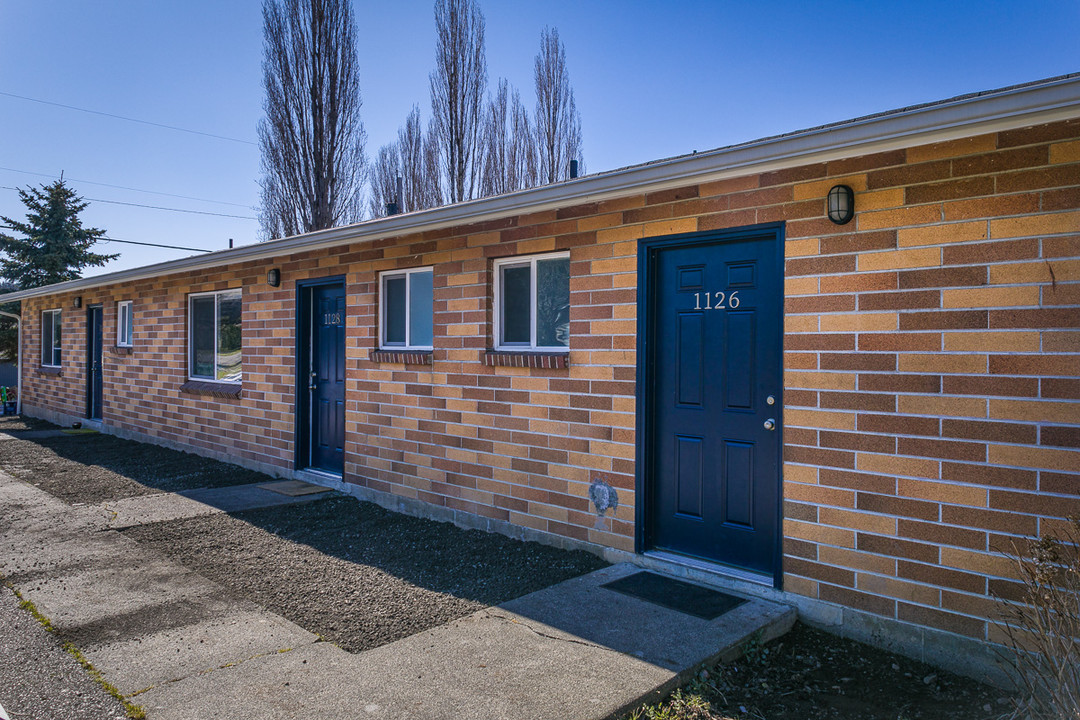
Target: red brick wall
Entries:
(932, 367)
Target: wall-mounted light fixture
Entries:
(78, 301)
(841, 204)
(273, 277)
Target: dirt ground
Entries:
(356, 574)
(809, 674)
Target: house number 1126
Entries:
(715, 301)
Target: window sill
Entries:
(545, 360)
(211, 388)
(46, 370)
(123, 349)
(406, 357)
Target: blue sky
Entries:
(652, 80)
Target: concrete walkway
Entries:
(175, 643)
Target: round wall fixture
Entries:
(841, 204)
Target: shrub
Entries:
(1043, 627)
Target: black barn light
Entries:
(273, 277)
(841, 204)
(78, 301)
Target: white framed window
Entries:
(50, 338)
(406, 309)
(532, 302)
(214, 336)
(123, 323)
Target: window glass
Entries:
(50, 338)
(394, 303)
(553, 302)
(202, 336)
(421, 303)
(228, 332)
(123, 327)
(56, 338)
(407, 309)
(516, 300)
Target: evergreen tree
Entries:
(55, 246)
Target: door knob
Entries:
(770, 424)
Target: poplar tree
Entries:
(558, 122)
(457, 93)
(312, 139)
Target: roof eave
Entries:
(1037, 103)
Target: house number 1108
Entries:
(715, 301)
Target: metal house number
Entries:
(715, 301)
(332, 318)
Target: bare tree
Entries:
(384, 176)
(509, 145)
(558, 123)
(414, 161)
(419, 164)
(312, 138)
(457, 92)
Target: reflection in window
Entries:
(214, 322)
(408, 309)
(533, 302)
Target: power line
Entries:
(158, 245)
(134, 242)
(124, 187)
(155, 207)
(179, 210)
(122, 117)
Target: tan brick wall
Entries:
(932, 367)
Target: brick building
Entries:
(687, 364)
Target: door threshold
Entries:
(328, 474)
(663, 558)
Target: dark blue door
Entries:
(94, 385)
(713, 384)
(326, 378)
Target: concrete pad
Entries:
(168, 655)
(163, 507)
(58, 552)
(310, 682)
(146, 509)
(243, 497)
(129, 594)
(590, 662)
(579, 608)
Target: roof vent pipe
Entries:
(395, 206)
(573, 169)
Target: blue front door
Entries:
(712, 396)
(326, 378)
(95, 394)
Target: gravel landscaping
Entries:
(94, 467)
(18, 423)
(356, 574)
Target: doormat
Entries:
(294, 488)
(675, 594)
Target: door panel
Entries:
(712, 359)
(94, 385)
(325, 368)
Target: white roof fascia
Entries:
(995, 111)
